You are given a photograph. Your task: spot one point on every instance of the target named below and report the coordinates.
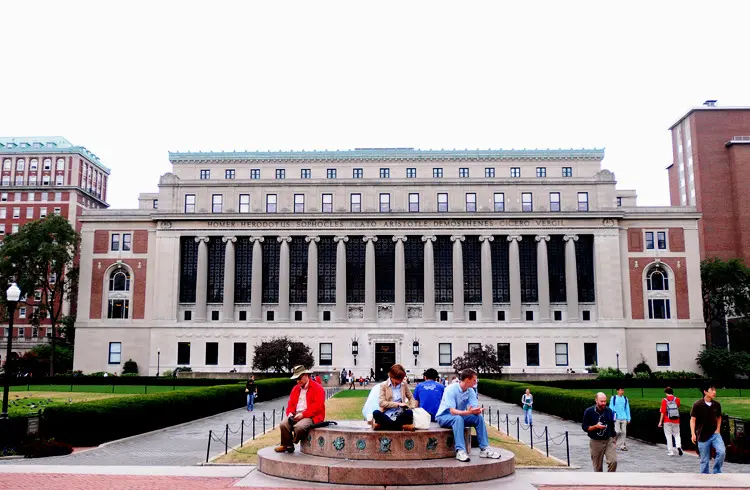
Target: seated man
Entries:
(307, 406)
(429, 393)
(459, 408)
(396, 402)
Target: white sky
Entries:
(135, 80)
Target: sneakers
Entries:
(624, 448)
(408, 427)
(462, 456)
(489, 453)
(679, 450)
(669, 453)
(281, 449)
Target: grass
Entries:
(352, 394)
(118, 389)
(731, 402)
(25, 402)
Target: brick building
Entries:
(43, 176)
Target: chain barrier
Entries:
(534, 436)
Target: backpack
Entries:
(673, 411)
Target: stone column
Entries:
(256, 288)
(486, 277)
(370, 313)
(284, 267)
(542, 274)
(458, 278)
(228, 306)
(399, 304)
(201, 279)
(312, 278)
(571, 277)
(341, 312)
(428, 309)
(514, 277)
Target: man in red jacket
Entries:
(307, 406)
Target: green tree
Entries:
(36, 361)
(480, 359)
(41, 258)
(726, 292)
(280, 355)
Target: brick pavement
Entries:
(47, 481)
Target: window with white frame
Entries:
(658, 292)
(541, 171)
(33, 164)
(561, 354)
(20, 164)
(16, 213)
(29, 212)
(445, 354)
(270, 203)
(357, 173)
(649, 240)
(662, 355)
(305, 173)
(515, 171)
(47, 164)
(280, 173)
(244, 203)
(115, 353)
(127, 242)
(355, 203)
(385, 202)
(411, 173)
(437, 173)
(14, 228)
(60, 164)
(489, 172)
(189, 203)
(7, 164)
(463, 172)
(471, 202)
(255, 173)
(217, 203)
(6, 180)
(21, 332)
(45, 196)
(3, 197)
(229, 173)
(442, 202)
(385, 173)
(42, 212)
(583, 201)
(661, 240)
(19, 180)
(2, 228)
(22, 312)
(527, 204)
(31, 196)
(32, 179)
(115, 242)
(554, 201)
(118, 294)
(299, 203)
(567, 171)
(326, 354)
(35, 332)
(59, 179)
(331, 173)
(3, 213)
(499, 201)
(327, 203)
(205, 174)
(413, 202)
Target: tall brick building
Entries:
(42, 176)
(711, 147)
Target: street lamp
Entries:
(355, 350)
(13, 295)
(617, 354)
(158, 359)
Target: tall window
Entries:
(280, 173)
(561, 354)
(240, 354)
(331, 173)
(385, 173)
(299, 203)
(411, 173)
(355, 203)
(445, 354)
(499, 199)
(270, 203)
(20, 163)
(205, 174)
(115, 353)
(357, 173)
(60, 164)
(661, 240)
(463, 172)
(649, 240)
(590, 357)
(554, 201)
(305, 173)
(567, 171)
(189, 203)
(527, 204)
(217, 203)
(229, 173)
(244, 203)
(255, 173)
(489, 172)
(659, 294)
(183, 353)
(326, 354)
(503, 354)
(442, 199)
(532, 354)
(127, 241)
(583, 201)
(115, 242)
(118, 301)
(541, 171)
(437, 173)
(515, 171)
(385, 203)
(619, 202)
(327, 203)
(413, 202)
(471, 202)
(212, 353)
(662, 354)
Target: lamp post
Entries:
(158, 359)
(415, 350)
(289, 357)
(355, 350)
(13, 295)
(617, 354)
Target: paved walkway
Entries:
(640, 457)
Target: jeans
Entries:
(704, 449)
(250, 401)
(458, 422)
(527, 417)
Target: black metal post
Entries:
(264, 423)
(567, 447)
(531, 435)
(498, 420)
(253, 427)
(546, 439)
(242, 432)
(507, 425)
(273, 424)
(5, 429)
(208, 449)
(158, 362)
(490, 411)
(518, 428)
(226, 439)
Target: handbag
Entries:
(421, 418)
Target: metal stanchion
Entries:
(507, 425)
(518, 428)
(546, 439)
(567, 447)
(226, 439)
(208, 449)
(498, 420)
(253, 427)
(242, 432)
(531, 435)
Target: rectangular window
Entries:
(183, 353)
(437, 173)
(411, 173)
(471, 202)
(240, 354)
(45, 196)
(270, 203)
(47, 164)
(463, 172)
(385, 173)
(29, 212)
(229, 173)
(658, 309)
(19, 165)
(331, 173)
(205, 174)
(503, 354)
(567, 171)
(34, 163)
(661, 240)
(19, 180)
(445, 354)
(244, 203)
(442, 202)
(22, 312)
(155, 204)
(58, 197)
(326, 354)
(385, 203)
(527, 205)
(189, 203)
(357, 173)
(561, 354)
(590, 357)
(6, 180)
(115, 246)
(212, 353)
(116, 308)
(649, 240)
(499, 199)
(115, 353)
(619, 202)
(3, 213)
(532, 354)
(2, 228)
(355, 201)
(515, 171)
(255, 173)
(32, 179)
(60, 164)
(305, 173)
(16, 213)
(489, 172)
(217, 203)
(4, 197)
(541, 171)
(554, 201)
(299, 203)
(473, 345)
(583, 201)
(127, 240)
(327, 203)
(42, 212)
(14, 228)
(280, 173)
(21, 332)
(662, 354)
(45, 179)
(413, 202)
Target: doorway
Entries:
(385, 357)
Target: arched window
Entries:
(659, 296)
(119, 281)
(119, 294)
(657, 279)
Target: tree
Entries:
(726, 292)
(480, 359)
(36, 361)
(40, 258)
(275, 356)
(130, 367)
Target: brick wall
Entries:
(140, 241)
(137, 284)
(635, 240)
(676, 239)
(101, 241)
(680, 285)
(636, 288)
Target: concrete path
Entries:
(640, 457)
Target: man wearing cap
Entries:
(429, 393)
(307, 406)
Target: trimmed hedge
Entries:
(570, 404)
(630, 383)
(122, 380)
(92, 423)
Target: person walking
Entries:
(599, 424)
(350, 380)
(669, 417)
(620, 406)
(527, 400)
(705, 429)
(252, 391)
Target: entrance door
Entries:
(385, 357)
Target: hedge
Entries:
(121, 381)
(92, 423)
(630, 383)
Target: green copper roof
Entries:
(392, 154)
(46, 144)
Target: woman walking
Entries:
(527, 400)
(252, 391)
(350, 380)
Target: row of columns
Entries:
(399, 307)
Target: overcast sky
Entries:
(134, 81)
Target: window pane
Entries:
(445, 354)
(326, 354)
(532, 354)
(590, 357)
(240, 354)
(503, 354)
(183, 353)
(212, 353)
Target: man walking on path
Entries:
(620, 406)
(705, 427)
(670, 417)
(599, 424)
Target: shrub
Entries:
(168, 373)
(593, 369)
(101, 374)
(129, 374)
(642, 367)
(642, 375)
(41, 449)
(130, 367)
(675, 375)
(721, 364)
(610, 373)
(280, 355)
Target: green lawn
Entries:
(731, 402)
(362, 393)
(118, 389)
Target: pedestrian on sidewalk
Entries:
(620, 406)
(705, 429)
(252, 391)
(669, 415)
(599, 424)
(527, 400)
(350, 380)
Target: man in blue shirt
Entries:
(459, 408)
(620, 406)
(429, 393)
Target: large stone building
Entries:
(375, 256)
